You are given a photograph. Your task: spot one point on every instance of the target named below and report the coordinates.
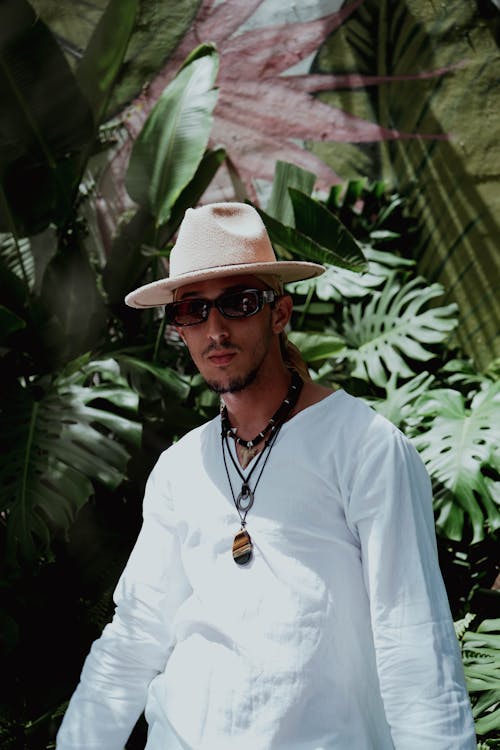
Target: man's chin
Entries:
(233, 385)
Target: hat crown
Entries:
(220, 234)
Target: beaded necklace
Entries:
(242, 544)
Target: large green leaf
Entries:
(388, 331)
(158, 29)
(306, 247)
(9, 323)
(55, 441)
(17, 256)
(174, 384)
(171, 144)
(99, 66)
(44, 121)
(397, 405)
(481, 658)
(339, 283)
(287, 175)
(313, 219)
(457, 441)
(317, 346)
(72, 304)
(128, 260)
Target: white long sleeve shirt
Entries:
(336, 636)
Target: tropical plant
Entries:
(458, 440)
(81, 379)
(481, 658)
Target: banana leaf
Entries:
(318, 235)
(44, 121)
(127, 261)
(287, 175)
(104, 54)
(167, 152)
(48, 117)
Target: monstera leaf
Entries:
(339, 283)
(458, 443)
(481, 659)
(391, 328)
(56, 438)
(399, 399)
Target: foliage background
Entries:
(401, 92)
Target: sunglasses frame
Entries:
(264, 296)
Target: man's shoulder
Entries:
(190, 440)
(359, 418)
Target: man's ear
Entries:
(281, 313)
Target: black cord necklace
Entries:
(242, 544)
(250, 448)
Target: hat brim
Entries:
(161, 292)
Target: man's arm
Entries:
(134, 647)
(418, 658)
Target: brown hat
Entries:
(220, 239)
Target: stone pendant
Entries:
(242, 547)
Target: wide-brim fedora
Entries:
(220, 239)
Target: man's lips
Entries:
(221, 358)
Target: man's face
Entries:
(229, 353)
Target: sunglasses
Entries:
(241, 304)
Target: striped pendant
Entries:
(242, 547)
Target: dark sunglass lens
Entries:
(240, 304)
(189, 312)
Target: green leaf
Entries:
(481, 657)
(317, 346)
(53, 447)
(17, 256)
(9, 322)
(397, 405)
(391, 327)
(127, 262)
(456, 443)
(301, 245)
(41, 131)
(287, 175)
(158, 29)
(313, 219)
(104, 54)
(170, 379)
(191, 194)
(71, 298)
(338, 283)
(171, 144)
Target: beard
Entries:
(234, 385)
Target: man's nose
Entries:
(216, 325)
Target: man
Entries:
(284, 591)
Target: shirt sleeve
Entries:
(418, 658)
(134, 647)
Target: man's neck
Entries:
(250, 409)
